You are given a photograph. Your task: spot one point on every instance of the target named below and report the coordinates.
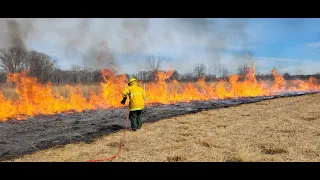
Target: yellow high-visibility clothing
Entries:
(136, 95)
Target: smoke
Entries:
(128, 41)
(13, 33)
(81, 38)
(214, 38)
(16, 36)
(200, 33)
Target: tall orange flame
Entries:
(280, 83)
(35, 98)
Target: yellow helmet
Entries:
(131, 80)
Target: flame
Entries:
(35, 98)
(280, 83)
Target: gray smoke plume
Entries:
(13, 33)
(214, 38)
(82, 38)
(119, 36)
(16, 36)
(79, 38)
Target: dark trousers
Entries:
(136, 119)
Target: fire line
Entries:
(34, 98)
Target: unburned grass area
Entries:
(284, 129)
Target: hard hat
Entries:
(131, 80)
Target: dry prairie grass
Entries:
(10, 91)
(86, 89)
(286, 129)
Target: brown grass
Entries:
(86, 89)
(286, 129)
(9, 91)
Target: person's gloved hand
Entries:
(123, 101)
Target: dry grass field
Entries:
(9, 91)
(284, 129)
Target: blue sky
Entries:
(290, 45)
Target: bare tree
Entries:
(243, 70)
(86, 74)
(75, 73)
(155, 65)
(41, 65)
(187, 77)
(199, 70)
(57, 76)
(16, 59)
(175, 75)
(155, 62)
(143, 76)
(13, 59)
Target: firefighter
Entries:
(136, 103)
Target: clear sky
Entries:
(290, 45)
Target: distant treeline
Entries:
(45, 68)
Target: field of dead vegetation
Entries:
(282, 129)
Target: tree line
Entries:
(45, 68)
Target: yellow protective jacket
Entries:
(136, 95)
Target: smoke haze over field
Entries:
(288, 44)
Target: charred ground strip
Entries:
(41, 132)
